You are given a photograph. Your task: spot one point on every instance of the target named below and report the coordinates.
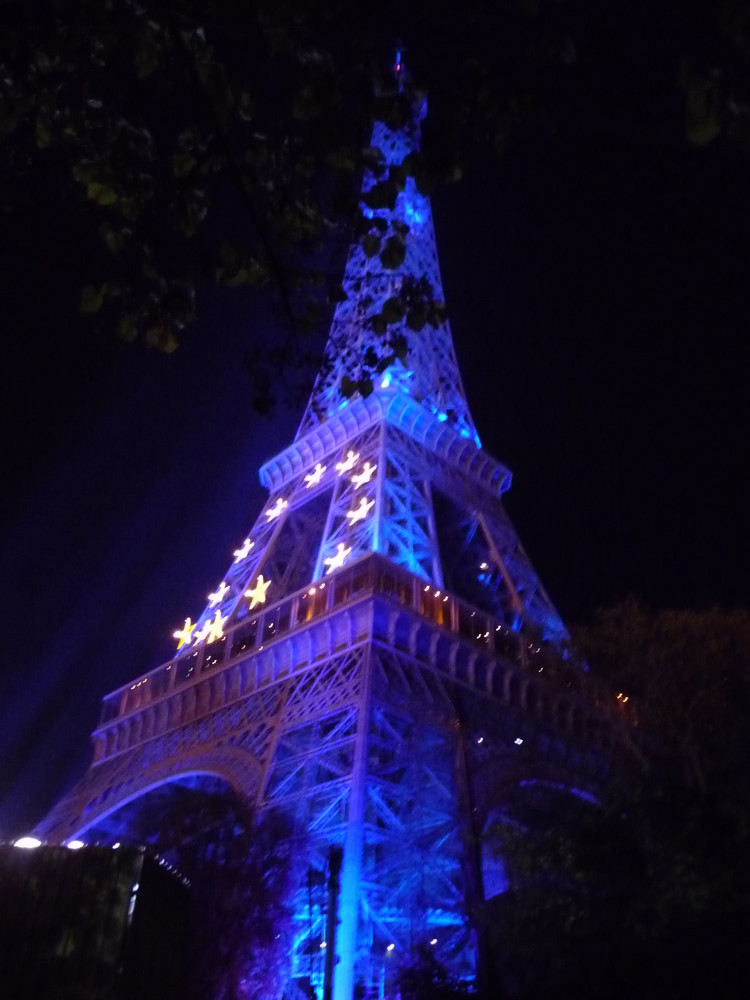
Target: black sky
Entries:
(597, 284)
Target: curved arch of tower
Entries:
(380, 657)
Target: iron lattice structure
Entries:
(380, 661)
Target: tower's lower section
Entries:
(374, 724)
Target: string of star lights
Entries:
(218, 595)
(337, 561)
(184, 634)
(244, 551)
(278, 507)
(257, 594)
(361, 512)
(314, 477)
(347, 464)
(360, 478)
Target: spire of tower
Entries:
(390, 331)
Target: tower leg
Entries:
(343, 976)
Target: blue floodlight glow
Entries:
(386, 382)
(412, 215)
(579, 793)
(413, 204)
(442, 417)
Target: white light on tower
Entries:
(275, 511)
(314, 477)
(347, 464)
(218, 596)
(361, 512)
(242, 552)
(337, 561)
(360, 478)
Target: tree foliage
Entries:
(198, 141)
(427, 979)
(687, 676)
(647, 891)
(213, 140)
(242, 875)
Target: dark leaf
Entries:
(385, 362)
(92, 298)
(393, 253)
(102, 194)
(371, 245)
(416, 319)
(393, 310)
(381, 195)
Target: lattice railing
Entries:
(369, 575)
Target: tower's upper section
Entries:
(387, 460)
(391, 330)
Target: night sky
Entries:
(597, 285)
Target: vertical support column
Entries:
(472, 863)
(318, 571)
(437, 569)
(343, 973)
(378, 538)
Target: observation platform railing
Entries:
(371, 575)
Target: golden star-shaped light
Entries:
(216, 627)
(360, 478)
(337, 561)
(313, 478)
(257, 594)
(273, 512)
(218, 596)
(244, 551)
(361, 512)
(184, 634)
(352, 457)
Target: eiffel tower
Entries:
(380, 660)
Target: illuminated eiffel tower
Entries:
(380, 660)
